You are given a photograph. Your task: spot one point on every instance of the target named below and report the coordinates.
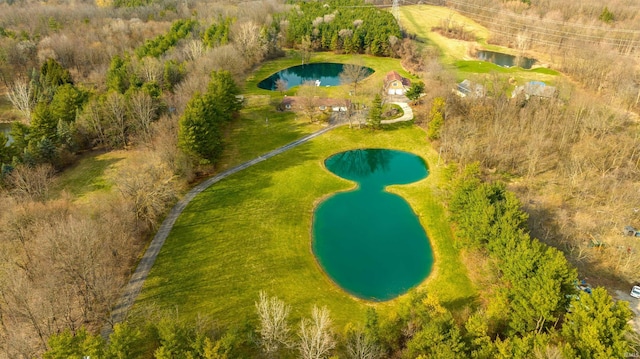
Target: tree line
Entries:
(348, 26)
(78, 255)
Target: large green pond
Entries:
(369, 241)
(322, 74)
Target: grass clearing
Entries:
(420, 19)
(90, 175)
(251, 232)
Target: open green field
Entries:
(420, 19)
(251, 232)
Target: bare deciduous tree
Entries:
(194, 49)
(31, 182)
(308, 98)
(361, 346)
(21, 96)
(274, 329)
(115, 111)
(144, 111)
(352, 74)
(247, 39)
(316, 339)
(281, 85)
(148, 185)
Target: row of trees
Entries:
(79, 258)
(348, 26)
(583, 147)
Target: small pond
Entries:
(322, 74)
(505, 60)
(369, 241)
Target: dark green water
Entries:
(327, 73)
(505, 60)
(369, 241)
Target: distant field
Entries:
(420, 19)
(251, 232)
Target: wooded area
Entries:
(160, 79)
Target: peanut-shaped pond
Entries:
(369, 241)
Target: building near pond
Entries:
(394, 84)
(469, 89)
(296, 103)
(535, 89)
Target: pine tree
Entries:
(375, 113)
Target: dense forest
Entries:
(160, 79)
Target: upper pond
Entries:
(369, 241)
(328, 74)
(505, 60)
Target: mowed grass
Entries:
(420, 19)
(381, 66)
(259, 129)
(251, 232)
(90, 175)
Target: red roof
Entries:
(394, 76)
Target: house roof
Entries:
(536, 88)
(328, 102)
(467, 88)
(394, 76)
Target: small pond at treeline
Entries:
(328, 74)
(369, 241)
(505, 60)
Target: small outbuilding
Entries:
(395, 84)
(468, 89)
(535, 89)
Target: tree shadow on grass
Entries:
(227, 219)
(87, 176)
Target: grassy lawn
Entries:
(381, 65)
(260, 128)
(251, 232)
(89, 175)
(420, 19)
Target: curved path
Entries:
(407, 115)
(133, 288)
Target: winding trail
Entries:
(133, 288)
(406, 116)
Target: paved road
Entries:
(133, 288)
(407, 116)
(634, 304)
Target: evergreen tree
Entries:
(67, 103)
(596, 326)
(222, 92)
(436, 118)
(199, 133)
(414, 92)
(375, 113)
(67, 345)
(118, 74)
(52, 75)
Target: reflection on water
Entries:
(505, 60)
(369, 241)
(323, 74)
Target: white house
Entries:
(394, 84)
